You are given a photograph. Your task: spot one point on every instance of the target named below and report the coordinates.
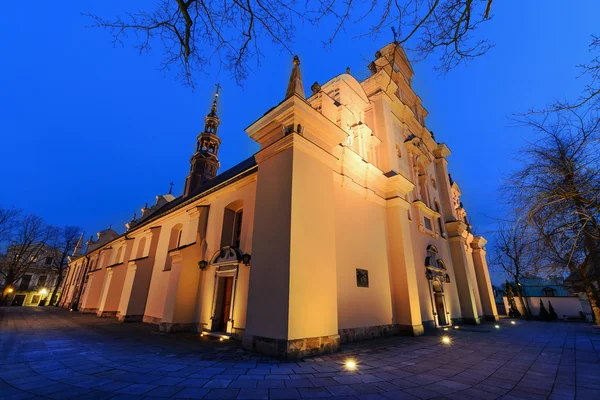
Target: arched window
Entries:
(174, 243)
(232, 225)
(175, 237)
(119, 256)
(141, 248)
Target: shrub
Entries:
(513, 311)
(553, 315)
(544, 315)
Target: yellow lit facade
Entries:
(345, 225)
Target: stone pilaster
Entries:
(484, 283)
(292, 297)
(457, 232)
(137, 281)
(180, 304)
(405, 295)
(443, 182)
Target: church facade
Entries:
(345, 225)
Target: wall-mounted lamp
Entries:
(246, 259)
(202, 265)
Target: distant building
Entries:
(566, 303)
(345, 225)
(37, 284)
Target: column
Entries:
(457, 232)
(405, 293)
(484, 283)
(292, 300)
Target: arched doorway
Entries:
(436, 273)
(438, 299)
(226, 261)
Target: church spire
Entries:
(295, 84)
(205, 161)
(79, 246)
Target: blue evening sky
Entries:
(91, 132)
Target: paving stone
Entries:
(222, 394)
(191, 393)
(48, 352)
(284, 394)
(253, 394)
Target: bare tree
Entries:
(26, 241)
(516, 252)
(589, 99)
(558, 187)
(8, 222)
(62, 243)
(192, 32)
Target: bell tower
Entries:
(205, 161)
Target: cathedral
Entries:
(345, 225)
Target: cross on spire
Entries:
(395, 35)
(213, 110)
(171, 187)
(295, 85)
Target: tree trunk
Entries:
(592, 295)
(58, 283)
(526, 309)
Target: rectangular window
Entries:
(25, 281)
(48, 261)
(35, 299)
(42, 280)
(427, 223)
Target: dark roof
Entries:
(244, 167)
(204, 189)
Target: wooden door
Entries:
(227, 289)
(440, 309)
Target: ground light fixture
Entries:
(350, 365)
(445, 329)
(220, 339)
(497, 326)
(446, 339)
(513, 323)
(456, 327)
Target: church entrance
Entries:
(439, 303)
(221, 315)
(440, 309)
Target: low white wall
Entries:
(565, 307)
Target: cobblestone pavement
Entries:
(51, 353)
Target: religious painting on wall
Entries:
(362, 278)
